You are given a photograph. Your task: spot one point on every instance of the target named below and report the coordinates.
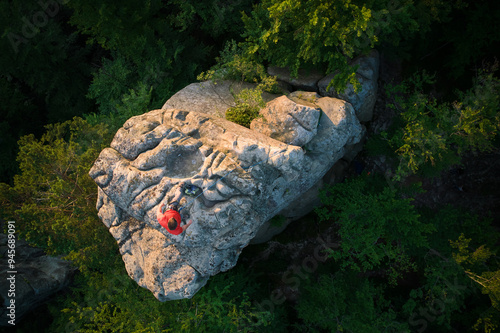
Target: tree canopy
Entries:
(72, 72)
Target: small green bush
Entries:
(248, 104)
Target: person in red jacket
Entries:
(171, 219)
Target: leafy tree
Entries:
(151, 44)
(39, 54)
(460, 40)
(436, 134)
(53, 198)
(233, 64)
(483, 267)
(53, 201)
(445, 297)
(294, 33)
(249, 102)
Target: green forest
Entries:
(384, 253)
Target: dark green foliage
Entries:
(278, 221)
(433, 134)
(134, 103)
(53, 198)
(327, 34)
(44, 62)
(459, 42)
(344, 302)
(379, 228)
(451, 222)
(234, 64)
(446, 288)
(53, 203)
(115, 303)
(45, 74)
(482, 265)
(151, 44)
(473, 37)
(50, 73)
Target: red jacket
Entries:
(167, 216)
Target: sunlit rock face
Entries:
(248, 176)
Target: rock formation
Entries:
(38, 277)
(367, 74)
(247, 175)
(363, 100)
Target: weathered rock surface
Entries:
(337, 119)
(288, 121)
(38, 277)
(363, 101)
(367, 74)
(247, 175)
(209, 97)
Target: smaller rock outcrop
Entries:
(367, 74)
(37, 277)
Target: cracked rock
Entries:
(248, 176)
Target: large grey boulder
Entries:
(248, 177)
(367, 74)
(37, 278)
